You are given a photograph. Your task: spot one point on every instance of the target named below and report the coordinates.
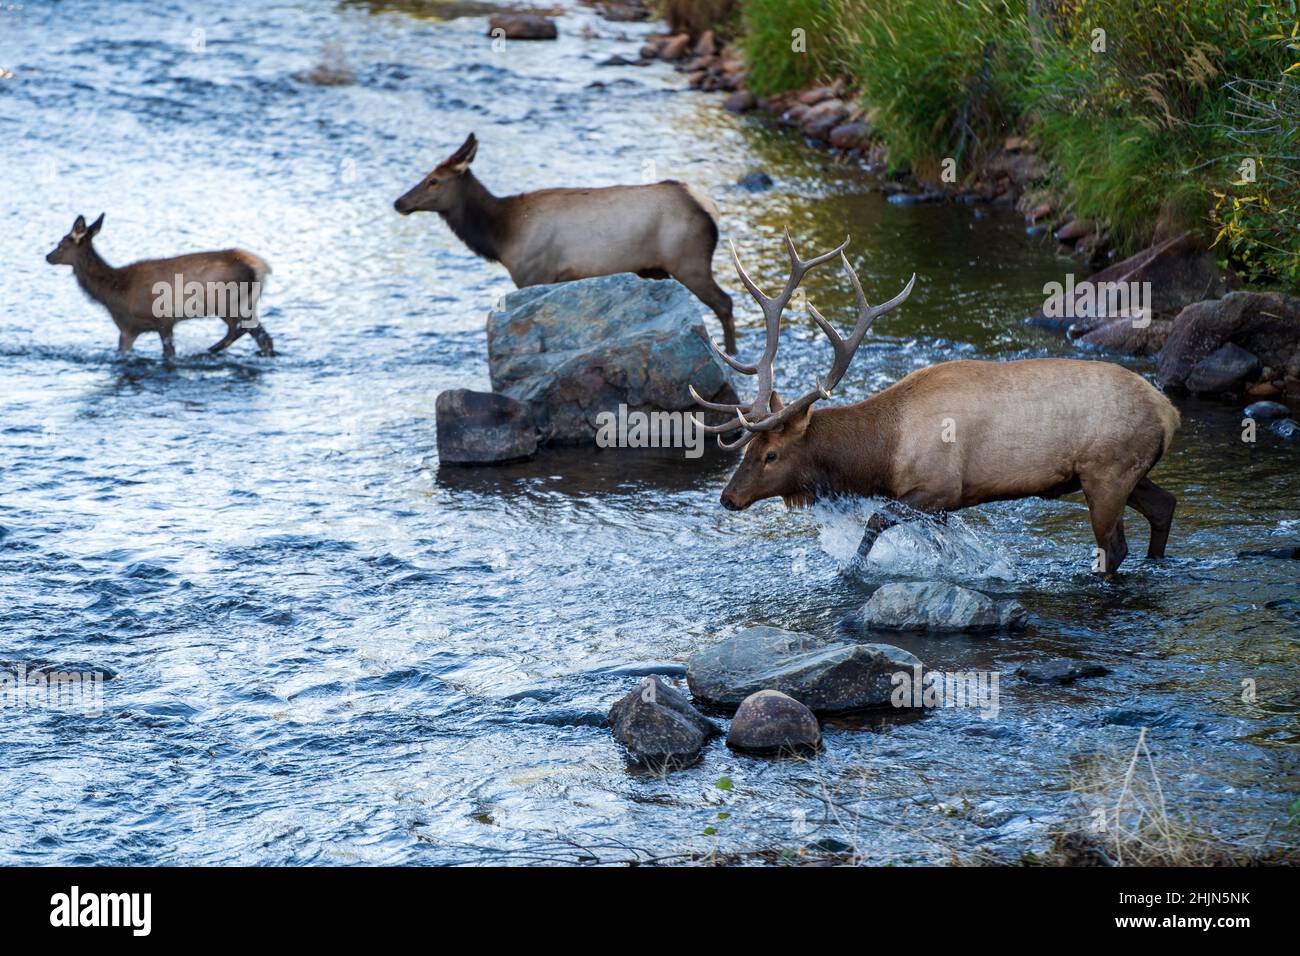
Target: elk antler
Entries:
(758, 416)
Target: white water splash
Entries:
(917, 548)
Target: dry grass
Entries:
(1127, 821)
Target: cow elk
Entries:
(657, 231)
(952, 435)
(154, 294)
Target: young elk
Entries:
(154, 294)
(558, 235)
(952, 435)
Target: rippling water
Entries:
(329, 651)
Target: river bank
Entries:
(1139, 134)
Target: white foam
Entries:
(917, 548)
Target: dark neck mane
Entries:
(478, 220)
(95, 276)
(856, 452)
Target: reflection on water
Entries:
(331, 650)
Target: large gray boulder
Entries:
(825, 677)
(1264, 324)
(659, 726)
(481, 428)
(573, 350)
(938, 606)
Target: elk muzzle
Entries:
(733, 500)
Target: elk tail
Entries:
(707, 206)
(261, 268)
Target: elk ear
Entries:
(78, 228)
(459, 161)
(776, 401)
(793, 429)
(94, 227)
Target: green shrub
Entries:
(777, 58)
(1135, 104)
(948, 78)
(1146, 109)
(1257, 220)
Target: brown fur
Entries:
(1030, 428)
(128, 292)
(659, 230)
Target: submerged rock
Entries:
(574, 350)
(1059, 672)
(658, 725)
(56, 669)
(772, 722)
(825, 677)
(912, 199)
(522, 26)
(480, 428)
(642, 669)
(938, 606)
(1286, 427)
(1267, 411)
(755, 182)
(1286, 552)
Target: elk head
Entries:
(70, 246)
(780, 458)
(440, 190)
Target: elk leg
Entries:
(1157, 506)
(233, 331)
(711, 294)
(878, 522)
(125, 341)
(1106, 509)
(263, 339)
(168, 346)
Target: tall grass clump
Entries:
(947, 78)
(789, 43)
(1133, 103)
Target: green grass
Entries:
(779, 57)
(1147, 123)
(948, 78)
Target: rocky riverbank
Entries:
(829, 116)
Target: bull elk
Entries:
(952, 435)
(154, 294)
(658, 231)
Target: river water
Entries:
(329, 651)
